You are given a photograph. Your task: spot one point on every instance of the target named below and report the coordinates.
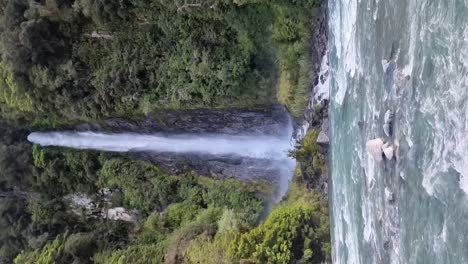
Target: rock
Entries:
(387, 245)
(388, 119)
(88, 127)
(323, 138)
(79, 203)
(242, 168)
(325, 126)
(386, 129)
(389, 195)
(101, 35)
(268, 121)
(388, 151)
(120, 213)
(374, 147)
(360, 124)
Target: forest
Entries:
(64, 62)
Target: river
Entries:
(409, 57)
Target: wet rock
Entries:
(387, 245)
(360, 124)
(388, 151)
(326, 126)
(388, 119)
(389, 196)
(386, 129)
(374, 147)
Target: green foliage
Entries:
(153, 229)
(13, 219)
(47, 255)
(210, 215)
(65, 170)
(308, 147)
(291, 33)
(311, 159)
(230, 193)
(156, 55)
(15, 158)
(186, 207)
(143, 185)
(15, 178)
(38, 156)
(293, 233)
(206, 249)
(80, 245)
(138, 254)
(180, 214)
(149, 55)
(11, 93)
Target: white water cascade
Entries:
(256, 147)
(261, 147)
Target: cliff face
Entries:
(267, 121)
(242, 168)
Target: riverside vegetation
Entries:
(69, 61)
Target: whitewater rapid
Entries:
(409, 57)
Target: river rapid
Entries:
(409, 57)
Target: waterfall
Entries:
(262, 147)
(263, 152)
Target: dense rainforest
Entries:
(64, 62)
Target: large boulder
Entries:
(374, 147)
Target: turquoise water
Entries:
(410, 57)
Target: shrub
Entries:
(47, 255)
(296, 232)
